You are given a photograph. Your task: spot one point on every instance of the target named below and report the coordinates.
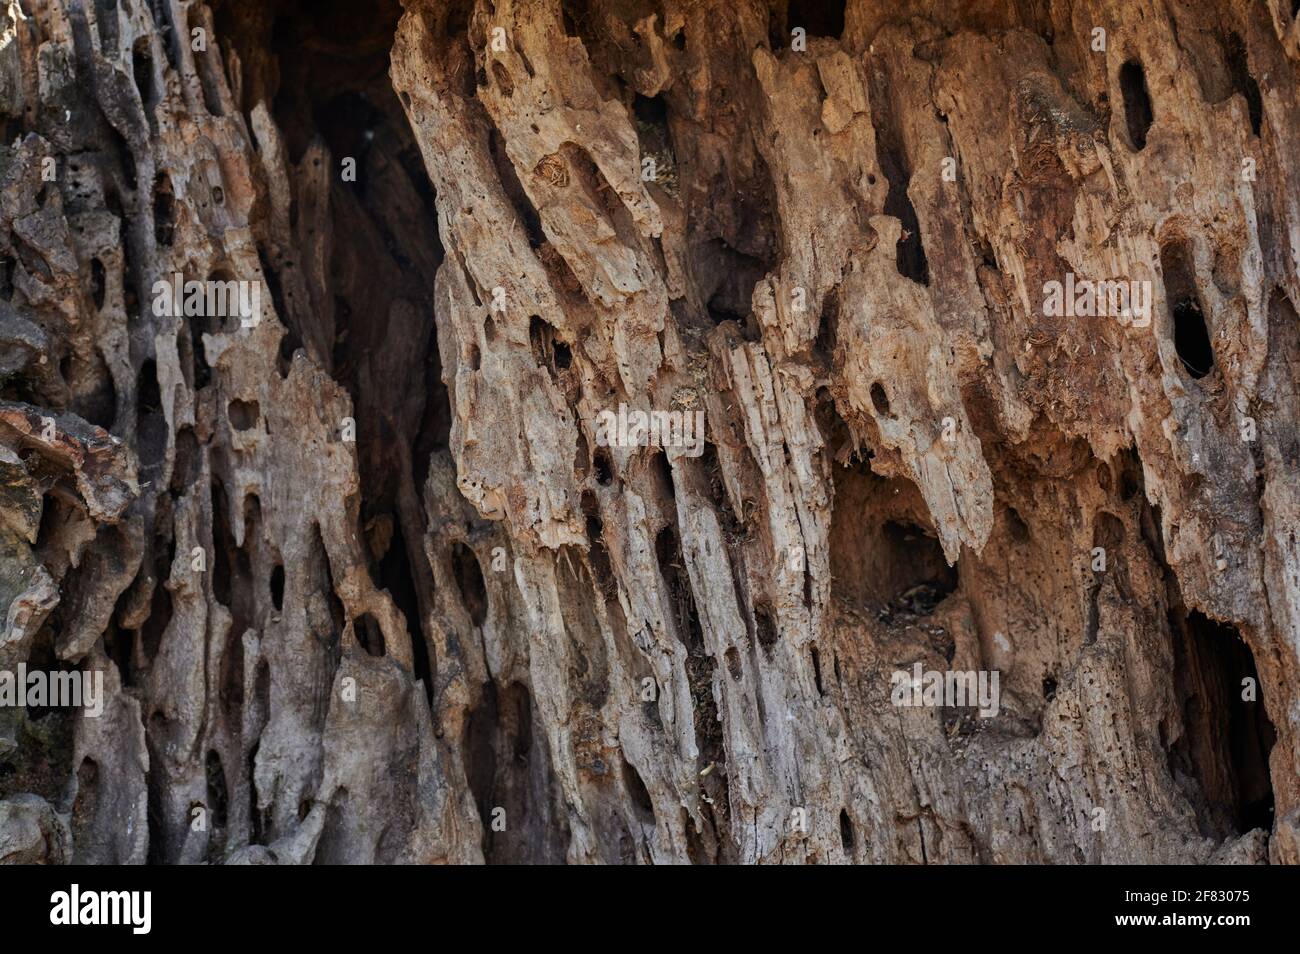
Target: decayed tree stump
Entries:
(374, 571)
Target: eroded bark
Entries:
(362, 575)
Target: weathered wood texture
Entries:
(368, 649)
